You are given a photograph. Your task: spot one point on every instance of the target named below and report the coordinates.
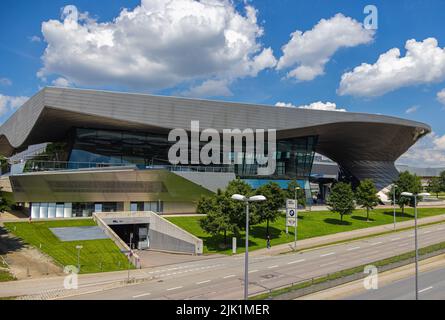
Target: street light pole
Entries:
(246, 200)
(246, 256)
(296, 217)
(416, 248)
(394, 204)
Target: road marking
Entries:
(175, 288)
(426, 289)
(403, 244)
(271, 267)
(296, 261)
(375, 243)
(351, 249)
(252, 271)
(428, 231)
(395, 239)
(440, 229)
(327, 254)
(142, 295)
(201, 282)
(327, 264)
(229, 276)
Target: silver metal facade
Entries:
(365, 145)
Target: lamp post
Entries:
(79, 247)
(296, 216)
(415, 195)
(394, 203)
(246, 200)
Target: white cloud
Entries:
(35, 39)
(308, 52)
(412, 109)
(326, 106)
(8, 103)
(158, 44)
(62, 82)
(5, 82)
(424, 62)
(428, 151)
(441, 96)
(209, 88)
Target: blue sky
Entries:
(25, 67)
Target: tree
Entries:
(442, 181)
(301, 196)
(406, 182)
(341, 199)
(5, 202)
(269, 210)
(223, 214)
(216, 220)
(435, 186)
(366, 196)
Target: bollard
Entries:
(234, 245)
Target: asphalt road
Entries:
(431, 287)
(222, 278)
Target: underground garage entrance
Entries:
(134, 235)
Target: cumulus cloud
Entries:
(424, 62)
(62, 82)
(209, 88)
(35, 39)
(308, 52)
(326, 106)
(429, 151)
(441, 96)
(158, 44)
(412, 109)
(9, 103)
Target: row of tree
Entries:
(223, 215)
(343, 200)
(436, 185)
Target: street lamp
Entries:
(415, 195)
(296, 217)
(246, 200)
(79, 247)
(394, 203)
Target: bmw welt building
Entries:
(73, 152)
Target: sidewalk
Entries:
(344, 236)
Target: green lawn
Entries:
(310, 224)
(95, 256)
(4, 274)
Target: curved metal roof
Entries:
(351, 139)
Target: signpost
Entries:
(292, 217)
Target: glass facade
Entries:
(294, 156)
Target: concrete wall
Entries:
(164, 235)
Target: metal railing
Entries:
(45, 165)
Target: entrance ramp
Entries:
(162, 234)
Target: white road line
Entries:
(375, 243)
(175, 288)
(142, 295)
(404, 244)
(252, 271)
(440, 229)
(426, 289)
(327, 254)
(296, 261)
(327, 264)
(201, 282)
(428, 231)
(395, 239)
(229, 276)
(354, 248)
(271, 267)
